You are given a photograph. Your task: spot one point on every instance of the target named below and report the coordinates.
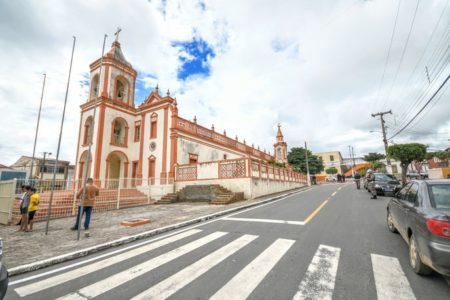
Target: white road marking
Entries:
(333, 194)
(242, 285)
(120, 278)
(43, 274)
(264, 221)
(171, 285)
(390, 281)
(319, 279)
(82, 271)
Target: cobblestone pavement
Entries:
(26, 247)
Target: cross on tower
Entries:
(117, 33)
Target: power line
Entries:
(428, 102)
(403, 53)
(389, 51)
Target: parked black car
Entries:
(420, 212)
(385, 184)
(3, 274)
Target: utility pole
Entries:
(307, 166)
(352, 161)
(42, 168)
(383, 129)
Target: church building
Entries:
(147, 142)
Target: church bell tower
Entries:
(280, 148)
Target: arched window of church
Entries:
(121, 90)
(119, 132)
(88, 130)
(94, 87)
(279, 153)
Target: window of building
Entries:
(137, 131)
(94, 87)
(88, 130)
(121, 90)
(153, 126)
(224, 157)
(193, 158)
(331, 157)
(119, 132)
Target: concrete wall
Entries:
(204, 151)
(156, 192)
(261, 187)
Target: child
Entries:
(24, 209)
(33, 207)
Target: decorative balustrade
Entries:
(236, 168)
(208, 134)
(187, 172)
(232, 169)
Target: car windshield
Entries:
(384, 177)
(440, 195)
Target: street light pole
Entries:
(307, 166)
(352, 162)
(41, 175)
(37, 129)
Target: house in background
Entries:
(42, 167)
(331, 159)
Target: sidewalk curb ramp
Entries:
(128, 239)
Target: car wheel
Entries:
(390, 223)
(414, 258)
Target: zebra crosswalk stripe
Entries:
(242, 285)
(169, 286)
(319, 279)
(82, 271)
(118, 279)
(390, 280)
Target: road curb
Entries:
(128, 239)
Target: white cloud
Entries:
(321, 84)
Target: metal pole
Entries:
(307, 166)
(353, 156)
(352, 165)
(49, 212)
(37, 128)
(83, 193)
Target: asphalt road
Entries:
(329, 242)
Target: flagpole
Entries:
(85, 176)
(37, 128)
(49, 212)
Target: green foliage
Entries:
(407, 153)
(331, 170)
(296, 158)
(373, 157)
(377, 165)
(442, 155)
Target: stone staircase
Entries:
(225, 196)
(212, 194)
(168, 199)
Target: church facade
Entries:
(147, 142)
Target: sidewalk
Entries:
(21, 248)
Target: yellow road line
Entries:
(333, 194)
(315, 212)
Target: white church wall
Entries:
(261, 187)
(204, 151)
(234, 185)
(84, 116)
(158, 151)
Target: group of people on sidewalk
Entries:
(29, 204)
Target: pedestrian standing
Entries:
(24, 209)
(24, 192)
(357, 177)
(33, 207)
(371, 184)
(88, 203)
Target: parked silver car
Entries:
(420, 212)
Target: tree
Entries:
(296, 158)
(331, 170)
(373, 158)
(406, 154)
